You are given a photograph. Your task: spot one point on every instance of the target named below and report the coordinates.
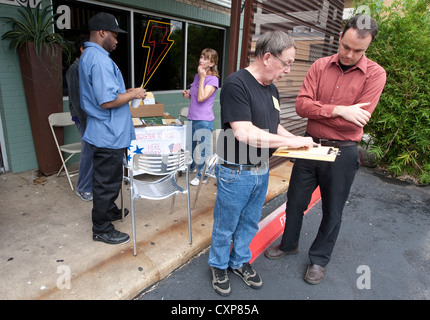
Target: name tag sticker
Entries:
(276, 103)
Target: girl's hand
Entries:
(202, 71)
(186, 94)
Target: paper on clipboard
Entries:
(320, 153)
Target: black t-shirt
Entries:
(243, 98)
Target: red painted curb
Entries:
(271, 227)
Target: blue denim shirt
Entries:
(100, 81)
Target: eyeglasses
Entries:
(286, 65)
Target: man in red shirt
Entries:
(337, 97)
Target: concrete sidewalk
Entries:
(47, 249)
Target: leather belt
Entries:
(243, 167)
(334, 143)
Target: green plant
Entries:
(400, 125)
(35, 26)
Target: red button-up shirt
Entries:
(326, 85)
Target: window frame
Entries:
(129, 12)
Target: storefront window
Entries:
(80, 13)
(157, 61)
(199, 38)
(158, 53)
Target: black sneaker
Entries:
(113, 237)
(249, 275)
(220, 282)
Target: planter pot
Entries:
(42, 79)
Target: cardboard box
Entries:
(148, 110)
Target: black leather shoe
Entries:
(118, 215)
(113, 237)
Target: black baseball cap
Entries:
(104, 21)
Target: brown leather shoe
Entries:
(314, 274)
(275, 253)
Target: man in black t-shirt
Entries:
(250, 118)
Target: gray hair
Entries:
(274, 42)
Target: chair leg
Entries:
(133, 225)
(133, 220)
(199, 187)
(172, 206)
(65, 170)
(122, 200)
(68, 177)
(189, 219)
(59, 171)
(187, 179)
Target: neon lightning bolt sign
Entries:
(157, 41)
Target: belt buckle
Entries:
(259, 167)
(327, 142)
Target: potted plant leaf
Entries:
(40, 57)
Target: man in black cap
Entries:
(109, 124)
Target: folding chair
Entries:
(183, 114)
(167, 166)
(64, 119)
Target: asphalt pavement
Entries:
(382, 253)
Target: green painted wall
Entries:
(16, 123)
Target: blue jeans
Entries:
(201, 133)
(237, 212)
(85, 180)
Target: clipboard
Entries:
(320, 153)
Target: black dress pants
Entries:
(335, 180)
(107, 179)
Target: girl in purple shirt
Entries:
(202, 94)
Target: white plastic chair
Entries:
(183, 114)
(64, 119)
(167, 166)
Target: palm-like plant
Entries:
(39, 52)
(35, 26)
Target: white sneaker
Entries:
(196, 181)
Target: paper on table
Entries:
(317, 153)
(137, 122)
(171, 121)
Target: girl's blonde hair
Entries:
(212, 56)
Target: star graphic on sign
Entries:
(138, 150)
